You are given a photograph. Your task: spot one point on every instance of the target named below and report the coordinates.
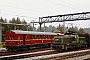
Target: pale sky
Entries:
(32, 9)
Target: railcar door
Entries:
(24, 37)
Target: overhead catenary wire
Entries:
(71, 4)
(35, 10)
(24, 8)
(63, 5)
(11, 14)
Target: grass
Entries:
(1, 45)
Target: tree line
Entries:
(7, 27)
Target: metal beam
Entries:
(66, 17)
(0, 33)
(63, 18)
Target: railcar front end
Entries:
(13, 41)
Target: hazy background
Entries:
(33, 9)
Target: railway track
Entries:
(60, 56)
(5, 53)
(37, 53)
(26, 55)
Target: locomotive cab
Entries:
(64, 42)
(68, 42)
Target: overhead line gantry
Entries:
(63, 18)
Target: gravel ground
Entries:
(1, 49)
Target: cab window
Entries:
(11, 37)
(7, 37)
(73, 38)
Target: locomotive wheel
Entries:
(8, 49)
(86, 45)
(58, 49)
(74, 47)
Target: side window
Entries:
(26, 37)
(11, 37)
(18, 37)
(47, 37)
(61, 40)
(40, 36)
(56, 39)
(73, 38)
(44, 36)
(36, 37)
(52, 36)
(7, 37)
(33, 36)
(30, 36)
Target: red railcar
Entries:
(18, 40)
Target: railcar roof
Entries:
(33, 32)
